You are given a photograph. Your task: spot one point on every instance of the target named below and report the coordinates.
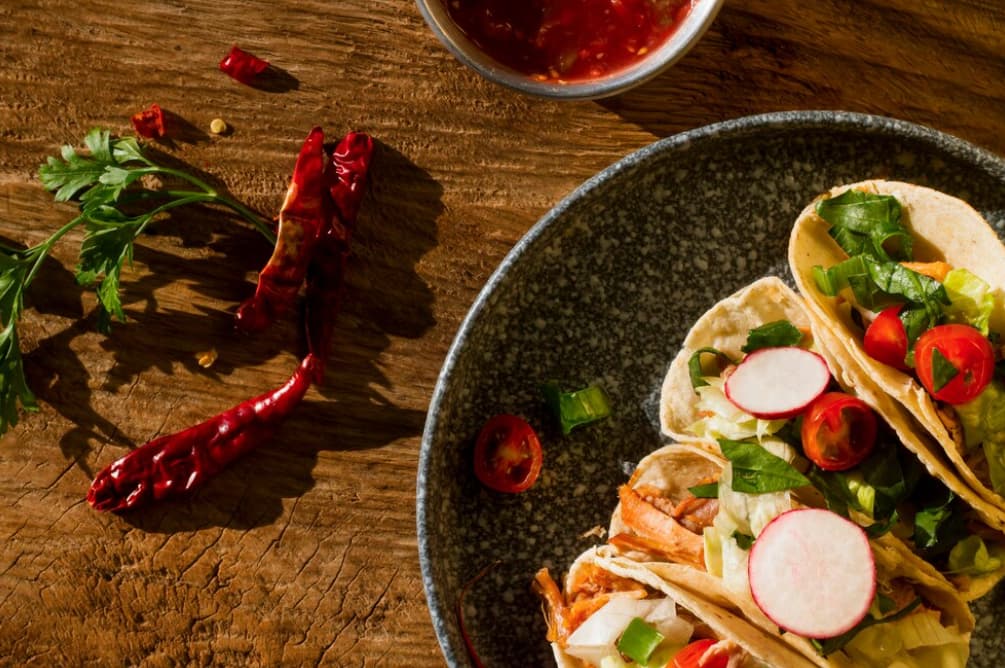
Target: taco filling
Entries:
(850, 456)
(610, 621)
(911, 620)
(938, 324)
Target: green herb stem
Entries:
(42, 251)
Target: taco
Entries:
(911, 282)
(916, 618)
(867, 460)
(590, 623)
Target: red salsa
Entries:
(568, 40)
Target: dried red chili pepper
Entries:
(346, 181)
(301, 222)
(149, 123)
(316, 224)
(242, 66)
(176, 464)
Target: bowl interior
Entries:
(690, 31)
(603, 290)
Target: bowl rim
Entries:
(695, 24)
(827, 120)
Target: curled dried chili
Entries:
(316, 222)
(149, 123)
(302, 220)
(346, 181)
(242, 66)
(176, 464)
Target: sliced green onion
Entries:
(639, 641)
(832, 281)
(574, 409)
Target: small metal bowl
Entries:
(687, 35)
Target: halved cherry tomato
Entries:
(967, 350)
(690, 655)
(508, 454)
(839, 431)
(886, 338)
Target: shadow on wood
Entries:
(385, 299)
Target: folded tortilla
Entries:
(725, 327)
(720, 621)
(945, 229)
(674, 467)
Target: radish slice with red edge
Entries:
(777, 383)
(812, 573)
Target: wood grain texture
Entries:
(305, 553)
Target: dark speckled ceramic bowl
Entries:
(603, 290)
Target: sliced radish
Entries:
(812, 572)
(777, 383)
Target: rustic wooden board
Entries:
(305, 552)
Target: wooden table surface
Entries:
(305, 551)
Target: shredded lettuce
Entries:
(971, 299)
(862, 494)
(984, 424)
(917, 640)
(723, 420)
(984, 417)
(713, 551)
(971, 556)
(742, 514)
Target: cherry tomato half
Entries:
(508, 454)
(967, 350)
(886, 338)
(839, 431)
(689, 656)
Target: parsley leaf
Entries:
(772, 334)
(115, 207)
(743, 540)
(709, 491)
(867, 223)
(943, 370)
(869, 228)
(757, 471)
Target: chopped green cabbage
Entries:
(724, 420)
(713, 551)
(614, 661)
(971, 299)
(745, 514)
(862, 492)
(918, 640)
(970, 556)
(984, 424)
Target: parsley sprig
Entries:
(115, 207)
(871, 231)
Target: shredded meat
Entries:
(695, 514)
(724, 649)
(978, 463)
(948, 416)
(592, 580)
(900, 591)
(653, 495)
